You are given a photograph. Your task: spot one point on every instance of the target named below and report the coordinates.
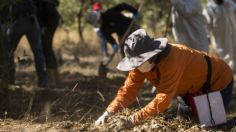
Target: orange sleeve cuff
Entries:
(156, 106)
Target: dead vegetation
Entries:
(81, 97)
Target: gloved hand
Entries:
(102, 119)
(122, 123)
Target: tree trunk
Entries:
(80, 26)
(79, 16)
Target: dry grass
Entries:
(81, 96)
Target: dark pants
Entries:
(103, 43)
(3, 74)
(26, 26)
(3, 62)
(48, 27)
(227, 94)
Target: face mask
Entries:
(146, 67)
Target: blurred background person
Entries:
(22, 21)
(48, 17)
(222, 23)
(189, 25)
(97, 7)
(113, 21)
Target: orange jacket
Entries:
(182, 71)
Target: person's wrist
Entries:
(108, 113)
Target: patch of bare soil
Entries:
(80, 97)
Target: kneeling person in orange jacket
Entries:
(175, 70)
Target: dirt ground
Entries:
(81, 95)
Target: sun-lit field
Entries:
(81, 95)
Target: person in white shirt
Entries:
(220, 15)
(189, 24)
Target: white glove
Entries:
(102, 119)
